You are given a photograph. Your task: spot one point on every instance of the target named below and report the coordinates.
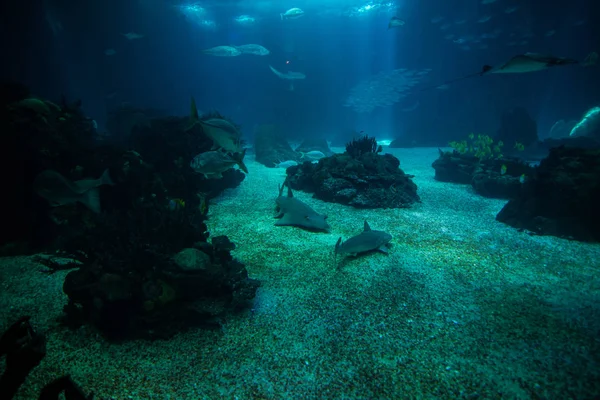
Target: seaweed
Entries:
(357, 147)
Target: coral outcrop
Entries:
(562, 198)
(360, 177)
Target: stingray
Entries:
(367, 240)
(294, 212)
(523, 63)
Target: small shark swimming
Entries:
(367, 240)
(294, 212)
(290, 75)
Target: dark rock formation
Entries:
(188, 290)
(563, 197)
(517, 126)
(496, 178)
(128, 280)
(360, 178)
(501, 178)
(271, 147)
(455, 167)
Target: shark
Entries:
(368, 240)
(294, 212)
(290, 75)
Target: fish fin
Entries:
(486, 68)
(91, 199)
(291, 87)
(194, 118)
(590, 59)
(105, 179)
(337, 245)
(193, 110)
(383, 249)
(239, 158)
(302, 154)
(366, 226)
(281, 15)
(290, 194)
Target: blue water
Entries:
(337, 44)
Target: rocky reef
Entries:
(562, 198)
(479, 161)
(361, 177)
(142, 267)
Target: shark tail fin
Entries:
(105, 179)
(301, 154)
(281, 15)
(193, 110)
(239, 158)
(590, 59)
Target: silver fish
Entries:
(212, 163)
(222, 51)
(395, 22)
(254, 49)
(292, 13)
(59, 190)
(312, 155)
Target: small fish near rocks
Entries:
(212, 164)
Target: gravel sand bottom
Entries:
(461, 307)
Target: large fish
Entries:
(255, 49)
(212, 163)
(223, 133)
(531, 62)
(395, 22)
(222, 51)
(59, 190)
(294, 212)
(523, 63)
(292, 13)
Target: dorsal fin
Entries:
(367, 227)
(290, 194)
(193, 111)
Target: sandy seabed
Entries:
(461, 307)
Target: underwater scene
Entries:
(300, 199)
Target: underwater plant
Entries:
(519, 146)
(482, 147)
(358, 147)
